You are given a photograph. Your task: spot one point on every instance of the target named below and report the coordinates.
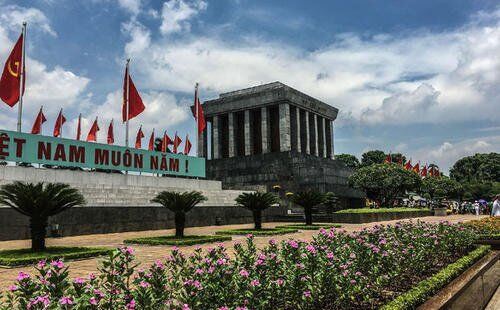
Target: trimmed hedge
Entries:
(430, 286)
(258, 232)
(381, 210)
(309, 227)
(173, 240)
(24, 257)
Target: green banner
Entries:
(23, 147)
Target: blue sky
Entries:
(418, 77)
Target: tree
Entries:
(308, 200)
(442, 187)
(180, 204)
(383, 183)
(349, 160)
(331, 201)
(39, 202)
(397, 158)
(372, 157)
(257, 202)
(477, 168)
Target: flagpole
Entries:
(60, 125)
(196, 129)
(21, 82)
(127, 102)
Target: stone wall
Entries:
(356, 218)
(99, 220)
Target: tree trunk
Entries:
(309, 216)
(38, 227)
(257, 218)
(180, 222)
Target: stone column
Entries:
(284, 115)
(201, 149)
(231, 140)
(248, 137)
(216, 137)
(316, 151)
(299, 146)
(264, 130)
(323, 128)
(308, 136)
(332, 136)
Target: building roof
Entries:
(265, 95)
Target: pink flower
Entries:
(42, 263)
(329, 255)
(353, 256)
(307, 293)
(221, 261)
(199, 271)
(127, 250)
(241, 308)
(57, 263)
(22, 276)
(144, 284)
(280, 282)
(353, 281)
(311, 249)
(66, 300)
(293, 244)
(92, 276)
(185, 307)
(249, 236)
(255, 283)
(382, 241)
(223, 308)
(272, 242)
(244, 273)
(159, 264)
(13, 288)
(131, 305)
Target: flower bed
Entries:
(381, 210)
(486, 226)
(23, 257)
(336, 270)
(173, 240)
(309, 227)
(258, 232)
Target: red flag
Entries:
(423, 173)
(111, 134)
(416, 168)
(198, 114)
(37, 126)
(138, 138)
(92, 136)
(187, 146)
(400, 160)
(134, 99)
(59, 122)
(408, 165)
(11, 76)
(177, 142)
(151, 146)
(388, 159)
(165, 143)
(79, 127)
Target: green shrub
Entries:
(178, 241)
(309, 227)
(258, 232)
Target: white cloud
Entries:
(140, 38)
(446, 154)
(132, 6)
(13, 16)
(177, 13)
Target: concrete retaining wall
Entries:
(357, 218)
(96, 220)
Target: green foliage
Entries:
(382, 210)
(180, 204)
(24, 257)
(331, 201)
(258, 232)
(307, 200)
(385, 182)
(173, 240)
(372, 157)
(480, 190)
(477, 169)
(39, 201)
(441, 187)
(428, 287)
(257, 202)
(397, 157)
(349, 160)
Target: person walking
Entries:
(495, 210)
(476, 207)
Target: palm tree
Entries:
(308, 200)
(331, 201)
(257, 202)
(180, 204)
(39, 201)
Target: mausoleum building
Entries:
(270, 135)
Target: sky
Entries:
(417, 77)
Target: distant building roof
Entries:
(265, 95)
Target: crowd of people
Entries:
(479, 207)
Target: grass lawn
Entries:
(381, 210)
(258, 232)
(23, 257)
(309, 227)
(173, 240)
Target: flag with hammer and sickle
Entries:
(11, 76)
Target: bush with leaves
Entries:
(308, 200)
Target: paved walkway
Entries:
(148, 254)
